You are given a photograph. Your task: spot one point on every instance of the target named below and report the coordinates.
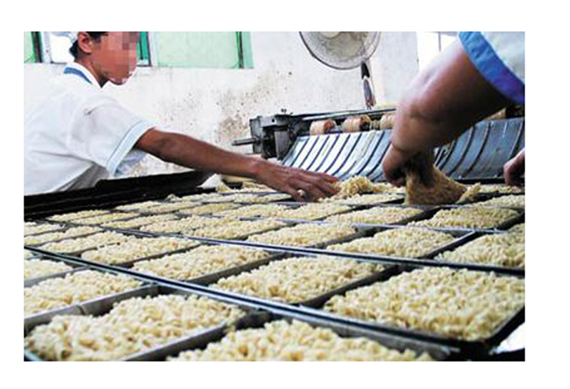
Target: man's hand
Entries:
(397, 162)
(291, 181)
(514, 170)
(187, 151)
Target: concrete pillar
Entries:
(394, 65)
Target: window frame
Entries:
(143, 48)
(44, 49)
(36, 48)
(146, 58)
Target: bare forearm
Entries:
(187, 151)
(196, 154)
(444, 101)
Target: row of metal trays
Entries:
(460, 237)
(263, 310)
(310, 309)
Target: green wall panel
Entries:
(142, 47)
(197, 49)
(246, 48)
(29, 53)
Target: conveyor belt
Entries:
(478, 154)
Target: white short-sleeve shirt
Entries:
(78, 135)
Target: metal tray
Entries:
(32, 318)
(258, 194)
(175, 233)
(312, 302)
(291, 205)
(75, 267)
(469, 238)
(476, 348)
(46, 232)
(460, 237)
(60, 239)
(129, 215)
(258, 320)
(398, 201)
(428, 214)
(488, 196)
(360, 233)
(139, 234)
(101, 306)
(206, 278)
(424, 208)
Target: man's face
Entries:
(115, 55)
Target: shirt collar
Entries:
(85, 71)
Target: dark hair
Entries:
(96, 35)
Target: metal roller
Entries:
(357, 124)
(321, 127)
(387, 121)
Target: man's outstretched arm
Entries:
(442, 102)
(193, 153)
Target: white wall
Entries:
(216, 104)
(394, 65)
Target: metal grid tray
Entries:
(206, 278)
(481, 197)
(476, 348)
(470, 238)
(74, 265)
(101, 306)
(258, 194)
(425, 210)
(253, 319)
(134, 233)
(67, 227)
(469, 350)
(258, 320)
(32, 318)
(291, 205)
(312, 302)
(41, 221)
(428, 214)
(459, 238)
(462, 236)
(267, 305)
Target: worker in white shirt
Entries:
(78, 135)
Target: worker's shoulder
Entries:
(81, 94)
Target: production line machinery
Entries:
(353, 143)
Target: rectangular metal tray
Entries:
(291, 205)
(314, 301)
(103, 305)
(46, 232)
(259, 194)
(459, 235)
(462, 236)
(75, 266)
(425, 209)
(430, 213)
(32, 318)
(475, 348)
(360, 232)
(488, 196)
(212, 277)
(60, 239)
(467, 239)
(138, 234)
(258, 320)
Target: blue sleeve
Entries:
(492, 67)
